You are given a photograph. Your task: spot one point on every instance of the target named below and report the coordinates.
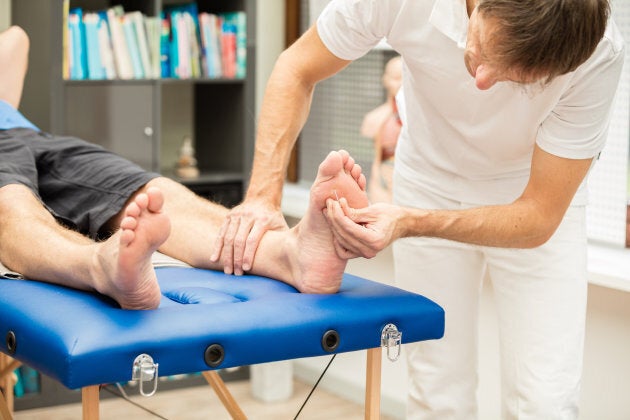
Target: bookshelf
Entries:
(145, 119)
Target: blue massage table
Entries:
(206, 321)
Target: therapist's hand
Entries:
(362, 232)
(241, 233)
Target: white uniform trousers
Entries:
(540, 297)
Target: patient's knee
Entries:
(16, 41)
(14, 197)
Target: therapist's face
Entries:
(479, 57)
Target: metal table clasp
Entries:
(145, 370)
(392, 339)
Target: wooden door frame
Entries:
(292, 33)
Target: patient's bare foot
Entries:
(319, 269)
(124, 260)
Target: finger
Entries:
(227, 255)
(335, 218)
(350, 235)
(347, 210)
(218, 242)
(358, 216)
(255, 235)
(342, 252)
(240, 240)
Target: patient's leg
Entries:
(302, 256)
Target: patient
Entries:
(74, 214)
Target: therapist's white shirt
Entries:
(460, 142)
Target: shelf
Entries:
(202, 80)
(609, 266)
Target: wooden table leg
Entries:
(5, 413)
(373, 384)
(90, 398)
(224, 394)
(7, 366)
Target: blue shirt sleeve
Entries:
(12, 118)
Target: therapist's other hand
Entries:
(241, 232)
(362, 232)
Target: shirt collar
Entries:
(451, 18)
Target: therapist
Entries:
(506, 108)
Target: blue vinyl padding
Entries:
(81, 338)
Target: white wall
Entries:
(269, 42)
(5, 14)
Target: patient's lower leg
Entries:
(303, 256)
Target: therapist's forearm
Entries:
(518, 225)
(283, 113)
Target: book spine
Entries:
(165, 47)
(132, 43)
(137, 20)
(78, 59)
(122, 58)
(105, 46)
(93, 50)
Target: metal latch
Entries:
(392, 339)
(145, 370)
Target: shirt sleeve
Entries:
(12, 118)
(350, 28)
(577, 127)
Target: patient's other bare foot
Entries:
(124, 260)
(318, 268)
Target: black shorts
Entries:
(80, 183)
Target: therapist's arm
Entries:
(284, 111)
(527, 222)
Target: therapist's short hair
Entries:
(545, 38)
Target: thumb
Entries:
(356, 215)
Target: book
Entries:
(183, 70)
(211, 44)
(228, 49)
(185, 50)
(192, 26)
(131, 38)
(237, 22)
(122, 58)
(153, 27)
(77, 48)
(65, 61)
(165, 46)
(95, 68)
(137, 20)
(105, 46)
